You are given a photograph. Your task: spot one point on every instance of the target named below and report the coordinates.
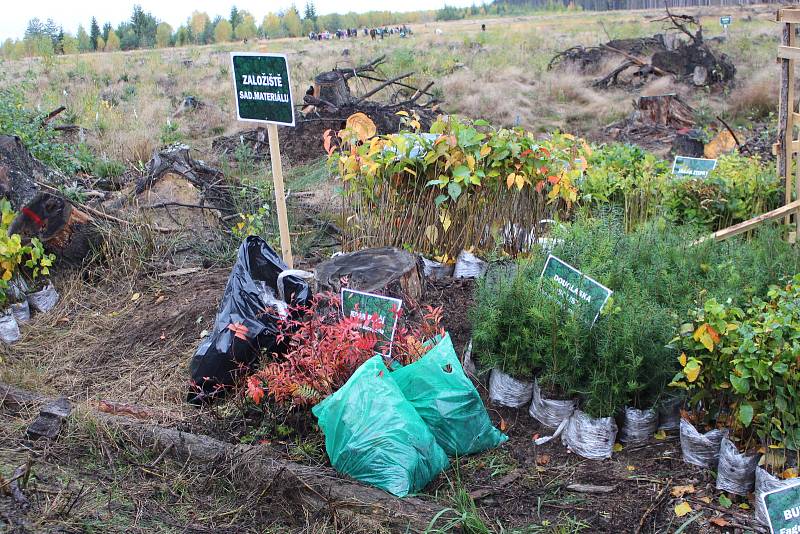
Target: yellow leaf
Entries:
(660, 435)
(135, 296)
(520, 181)
(485, 151)
(431, 233)
(630, 467)
(7, 276)
(402, 113)
(682, 359)
(617, 447)
(510, 180)
(445, 219)
(362, 126)
(789, 473)
(744, 506)
(706, 500)
(692, 370)
(471, 162)
(682, 509)
(680, 491)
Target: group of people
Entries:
(373, 33)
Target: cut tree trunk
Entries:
(310, 490)
(386, 270)
(665, 110)
(331, 87)
(62, 228)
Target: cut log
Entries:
(332, 87)
(665, 110)
(389, 271)
(310, 490)
(63, 229)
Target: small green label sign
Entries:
(377, 313)
(263, 88)
(726, 20)
(694, 167)
(575, 288)
(783, 509)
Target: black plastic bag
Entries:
(247, 320)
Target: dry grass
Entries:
(126, 100)
(127, 340)
(756, 97)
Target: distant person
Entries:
(483, 27)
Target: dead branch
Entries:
(367, 67)
(383, 85)
(681, 23)
(401, 84)
(50, 116)
(636, 60)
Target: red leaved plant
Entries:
(324, 350)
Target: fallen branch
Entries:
(656, 503)
(636, 60)
(381, 86)
(50, 116)
(310, 489)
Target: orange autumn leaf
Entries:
(553, 180)
(254, 389)
(539, 186)
(503, 425)
(719, 521)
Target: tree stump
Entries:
(386, 270)
(63, 229)
(331, 87)
(666, 110)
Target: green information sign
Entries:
(726, 20)
(263, 88)
(574, 287)
(695, 167)
(377, 313)
(783, 509)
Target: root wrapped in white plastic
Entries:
(764, 484)
(45, 299)
(506, 390)
(549, 412)
(435, 269)
(638, 425)
(21, 311)
(469, 265)
(669, 413)
(588, 437)
(9, 329)
(736, 472)
(700, 449)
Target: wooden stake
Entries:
(280, 197)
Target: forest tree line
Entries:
(143, 30)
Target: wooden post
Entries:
(280, 196)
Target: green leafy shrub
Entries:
(17, 258)
(626, 176)
(462, 185)
(738, 189)
(740, 367)
(41, 141)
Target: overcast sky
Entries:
(14, 14)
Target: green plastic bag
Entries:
(373, 434)
(448, 402)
